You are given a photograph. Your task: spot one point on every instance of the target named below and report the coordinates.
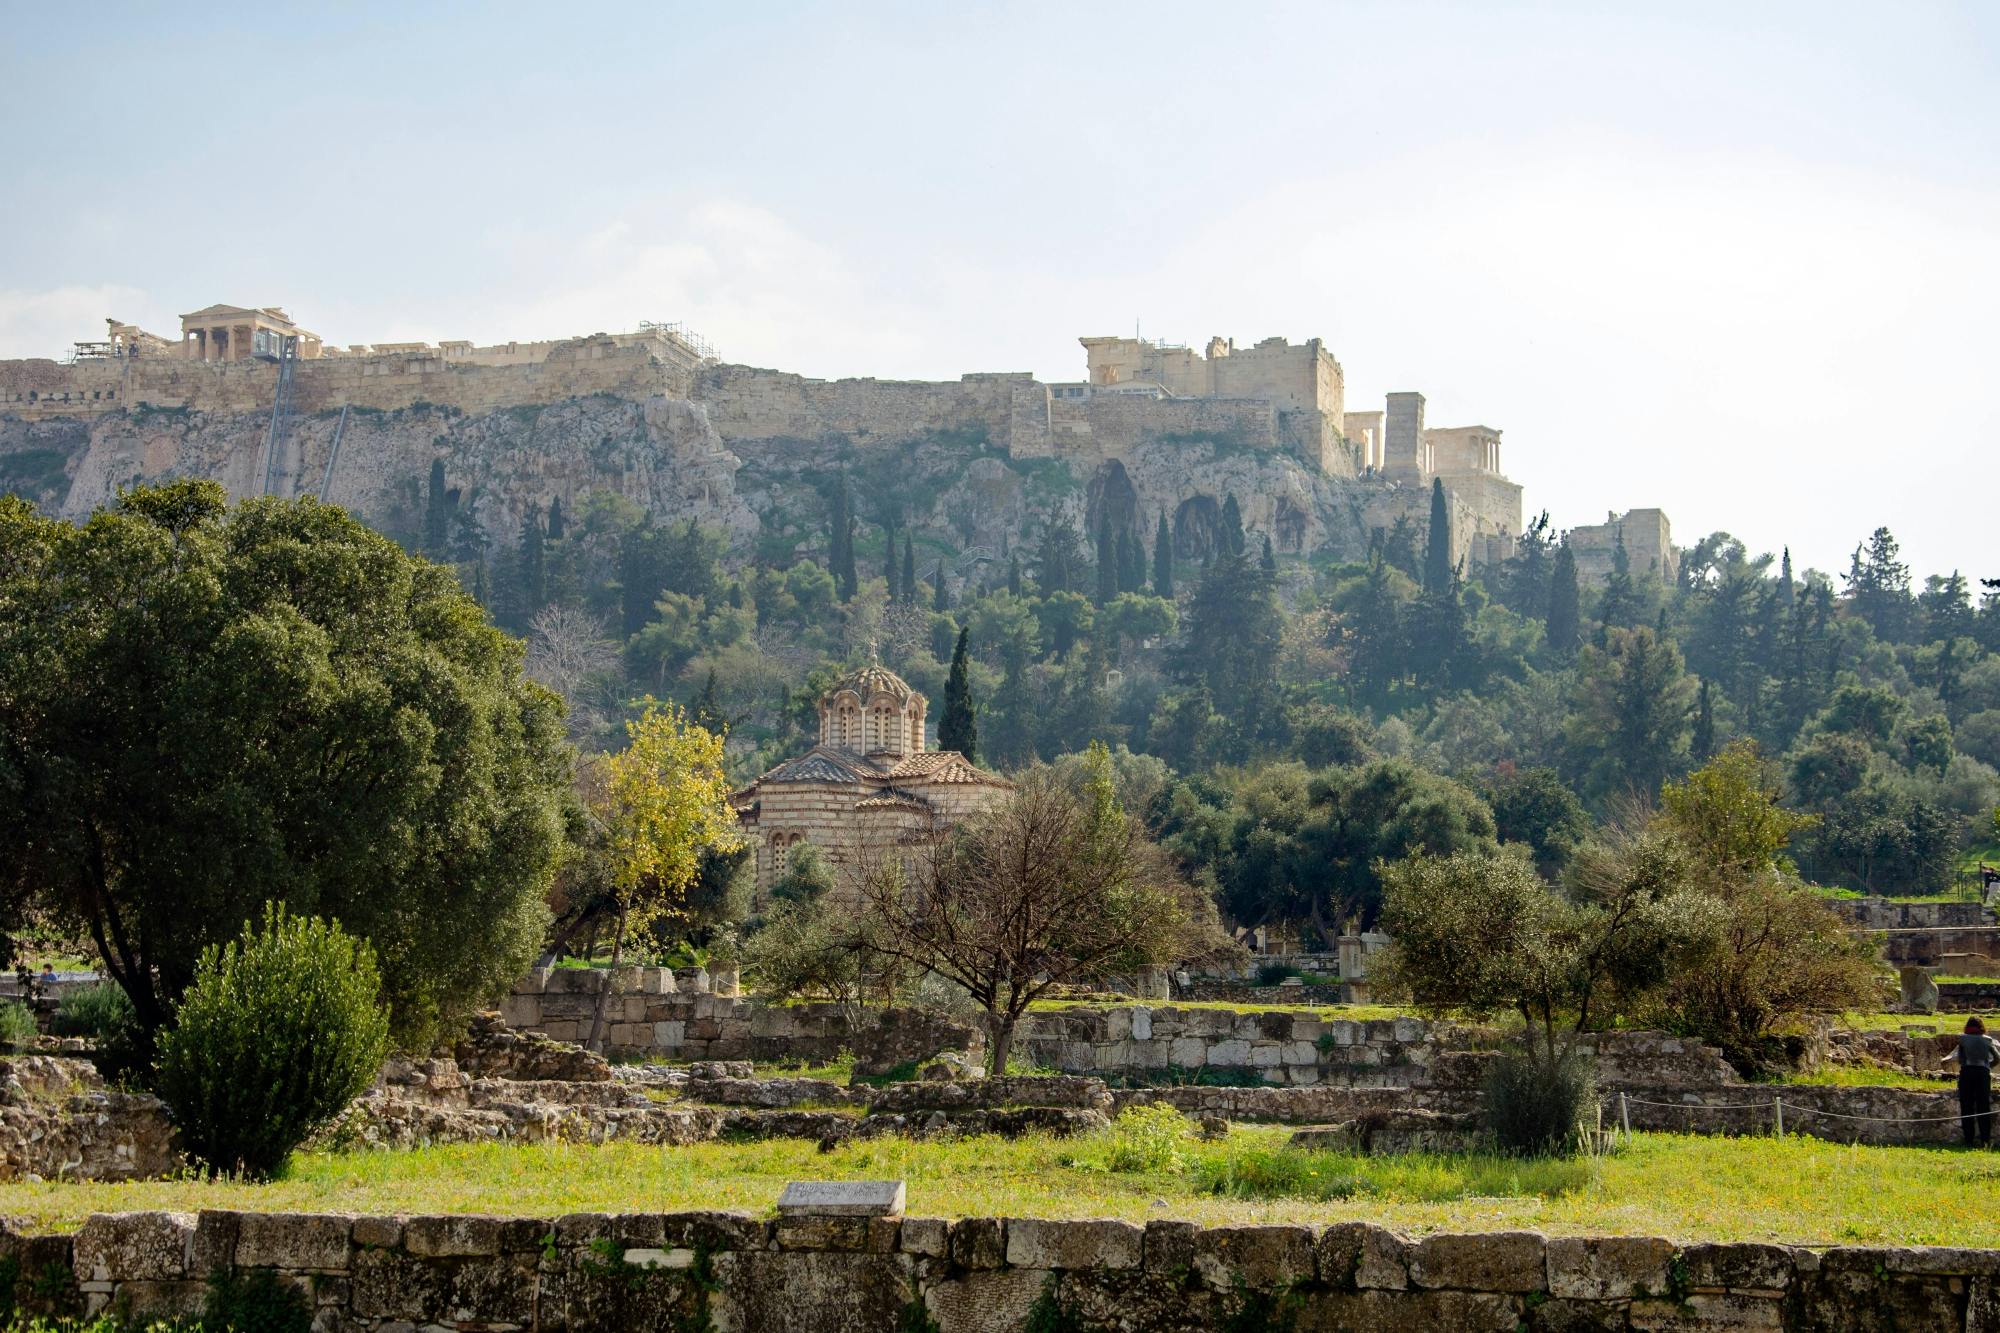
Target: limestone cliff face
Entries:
(963, 497)
(661, 453)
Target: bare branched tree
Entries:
(1055, 887)
(566, 646)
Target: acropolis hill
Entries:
(248, 397)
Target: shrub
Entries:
(101, 1012)
(17, 1025)
(280, 1030)
(1271, 974)
(1535, 1105)
(1146, 1138)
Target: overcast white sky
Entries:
(1741, 261)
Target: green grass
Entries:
(1865, 1076)
(1795, 1190)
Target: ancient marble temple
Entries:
(868, 787)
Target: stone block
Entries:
(1741, 1266)
(856, 1234)
(1363, 1256)
(134, 1247)
(927, 1236)
(670, 1035)
(1502, 1261)
(1345, 1031)
(985, 1301)
(295, 1241)
(652, 1257)
(1406, 1030)
(1266, 1055)
(979, 1242)
(1259, 1257)
(1709, 1310)
(1188, 1052)
(1300, 1053)
(715, 1231)
(377, 1232)
(1235, 1051)
(443, 1237)
(214, 1243)
(1169, 1246)
(1608, 1268)
(521, 1011)
(1141, 1024)
(1096, 1243)
(1404, 1311)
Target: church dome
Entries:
(872, 711)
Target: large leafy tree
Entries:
(665, 801)
(203, 709)
(1632, 712)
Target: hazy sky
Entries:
(1740, 261)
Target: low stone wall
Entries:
(1877, 1115)
(58, 1121)
(649, 1015)
(1968, 997)
(1275, 1046)
(835, 1274)
(1882, 914)
(1243, 992)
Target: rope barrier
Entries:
(1778, 1106)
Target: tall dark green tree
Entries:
(1618, 603)
(1011, 735)
(1131, 562)
(1631, 714)
(1374, 632)
(556, 525)
(940, 591)
(1878, 587)
(534, 564)
(1163, 560)
(889, 567)
(437, 512)
(1107, 563)
(1522, 583)
(1399, 547)
(909, 569)
(1059, 561)
(1230, 641)
(1702, 749)
(1269, 562)
(1437, 540)
(1014, 575)
(958, 727)
(206, 708)
(1562, 627)
(1232, 526)
(840, 549)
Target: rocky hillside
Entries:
(962, 497)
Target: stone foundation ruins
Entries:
(833, 1272)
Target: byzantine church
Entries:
(868, 787)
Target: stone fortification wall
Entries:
(820, 1273)
(40, 389)
(1010, 412)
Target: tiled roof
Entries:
(943, 766)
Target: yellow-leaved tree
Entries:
(667, 801)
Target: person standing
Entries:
(1975, 1054)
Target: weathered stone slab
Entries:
(1255, 1256)
(1096, 1243)
(1608, 1268)
(1500, 1261)
(127, 1247)
(296, 1241)
(842, 1198)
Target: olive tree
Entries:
(204, 708)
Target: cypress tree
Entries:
(841, 547)
(1787, 589)
(479, 593)
(1437, 541)
(958, 729)
(1107, 563)
(1014, 575)
(1564, 615)
(940, 597)
(707, 711)
(889, 559)
(1232, 526)
(534, 574)
(1163, 560)
(1615, 606)
(909, 569)
(1704, 725)
(1131, 564)
(437, 510)
(1269, 564)
(555, 518)
(1012, 735)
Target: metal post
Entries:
(1625, 1115)
(1778, 1105)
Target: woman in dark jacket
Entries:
(1975, 1054)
